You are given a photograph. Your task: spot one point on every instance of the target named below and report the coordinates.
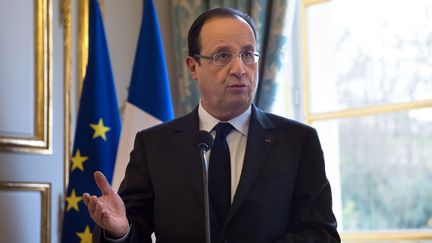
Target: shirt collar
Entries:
(240, 122)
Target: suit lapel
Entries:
(261, 137)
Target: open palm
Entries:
(108, 210)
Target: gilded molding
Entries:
(83, 41)
(45, 190)
(41, 142)
(67, 49)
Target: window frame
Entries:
(372, 110)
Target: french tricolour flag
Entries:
(149, 99)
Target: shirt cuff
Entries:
(119, 240)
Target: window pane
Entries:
(385, 165)
(368, 52)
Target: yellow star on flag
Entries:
(100, 130)
(73, 201)
(78, 160)
(86, 236)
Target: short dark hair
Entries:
(194, 44)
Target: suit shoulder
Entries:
(169, 126)
(283, 122)
(290, 128)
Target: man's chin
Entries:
(238, 106)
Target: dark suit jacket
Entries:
(283, 194)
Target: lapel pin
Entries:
(267, 140)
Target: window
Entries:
(368, 92)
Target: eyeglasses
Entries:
(224, 58)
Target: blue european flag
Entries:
(97, 133)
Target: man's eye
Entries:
(247, 55)
(223, 56)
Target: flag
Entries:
(149, 98)
(97, 133)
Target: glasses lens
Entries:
(222, 58)
(247, 57)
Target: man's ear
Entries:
(192, 65)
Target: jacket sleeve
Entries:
(137, 193)
(312, 216)
(136, 190)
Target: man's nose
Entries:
(237, 67)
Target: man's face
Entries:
(226, 91)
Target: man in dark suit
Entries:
(274, 177)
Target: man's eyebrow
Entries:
(228, 49)
(222, 49)
(248, 47)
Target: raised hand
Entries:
(108, 210)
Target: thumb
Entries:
(102, 183)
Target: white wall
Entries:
(21, 209)
(21, 206)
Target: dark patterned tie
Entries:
(220, 173)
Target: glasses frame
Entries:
(213, 58)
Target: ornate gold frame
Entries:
(41, 142)
(67, 66)
(83, 41)
(45, 190)
(362, 111)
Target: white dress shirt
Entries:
(236, 140)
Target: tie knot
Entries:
(222, 129)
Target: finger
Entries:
(86, 198)
(93, 209)
(98, 213)
(102, 183)
(92, 204)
